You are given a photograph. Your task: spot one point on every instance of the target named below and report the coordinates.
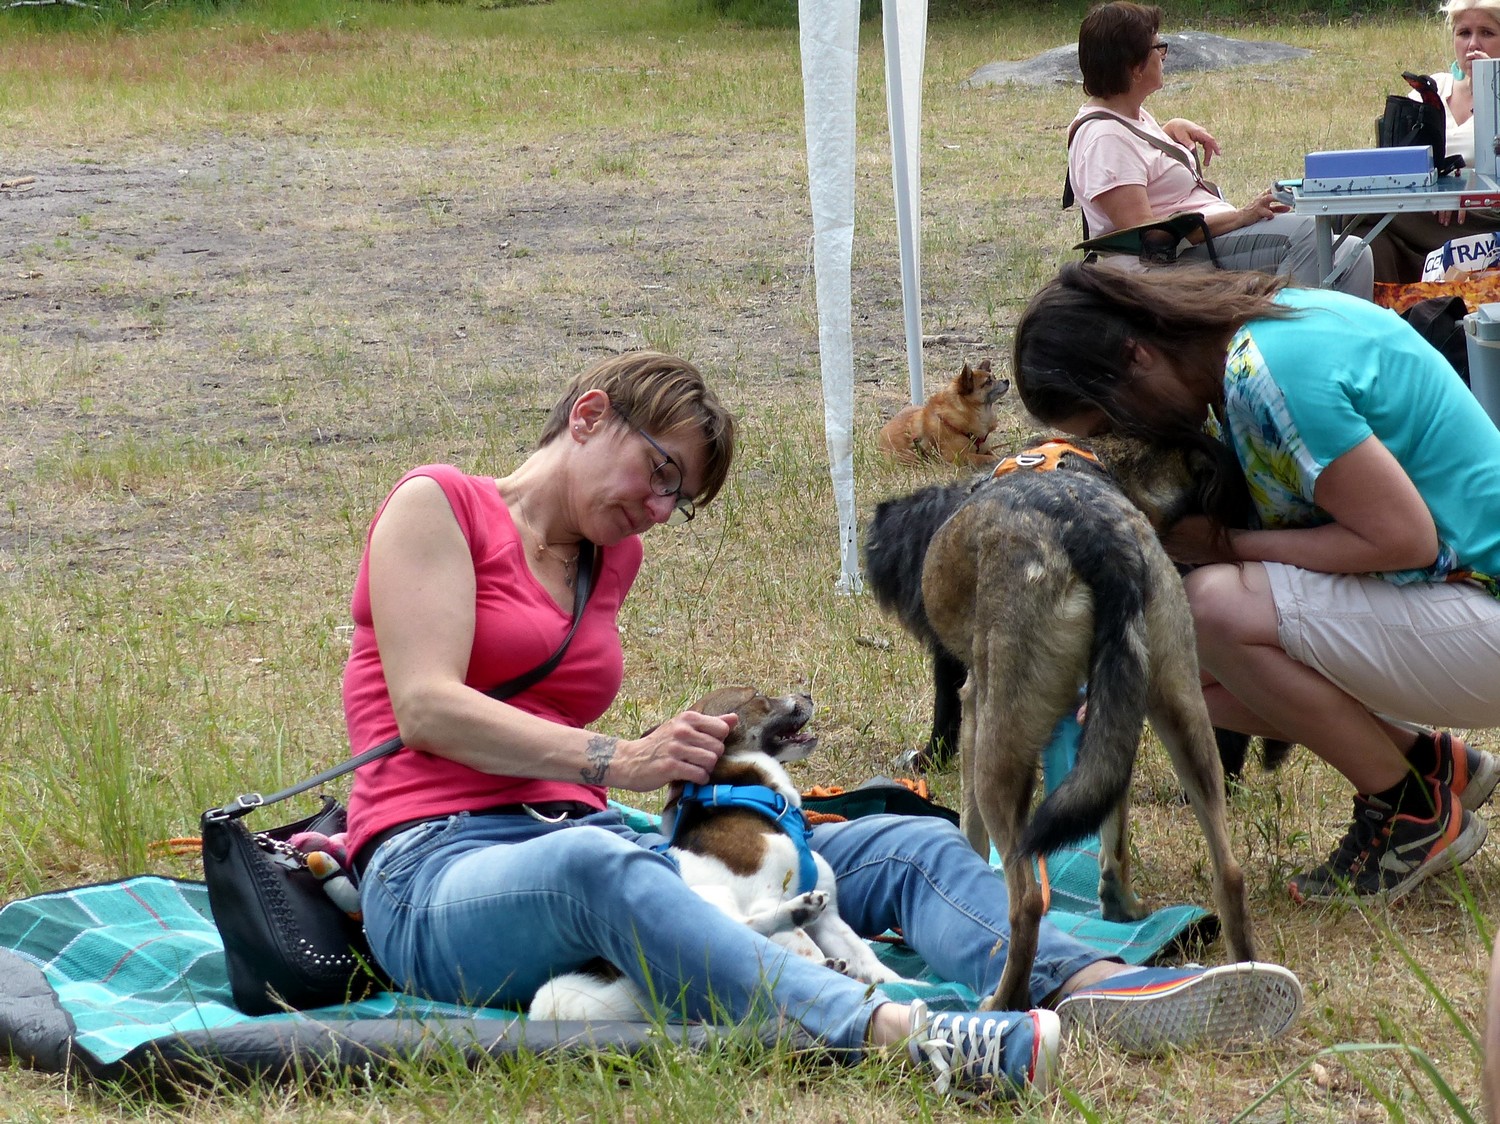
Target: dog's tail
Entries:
(1118, 681)
(896, 544)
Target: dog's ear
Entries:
(726, 700)
(965, 380)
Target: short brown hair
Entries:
(661, 394)
(1113, 40)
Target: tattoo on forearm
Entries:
(600, 752)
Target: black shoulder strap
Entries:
(582, 588)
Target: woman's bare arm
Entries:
(422, 595)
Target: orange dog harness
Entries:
(1043, 458)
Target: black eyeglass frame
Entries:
(1163, 47)
(683, 510)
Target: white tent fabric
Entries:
(830, 53)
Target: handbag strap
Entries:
(582, 588)
(1188, 161)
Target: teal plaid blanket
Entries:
(138, 960)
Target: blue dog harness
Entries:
(756, 798)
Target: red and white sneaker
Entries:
(1152, 1010)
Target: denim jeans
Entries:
(485, 909)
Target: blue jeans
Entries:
(485, 909)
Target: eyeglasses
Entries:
(666, 478)
(1162, 47)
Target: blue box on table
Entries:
(1368, 169)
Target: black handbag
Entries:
(286, 943)
(1409, 122)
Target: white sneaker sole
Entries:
(1234, 1006)
(1044, 1054)
(1481, 782)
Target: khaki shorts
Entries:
(1426, 653)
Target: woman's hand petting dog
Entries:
(1192, 541)
(683, 748)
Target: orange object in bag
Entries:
(1482, 287)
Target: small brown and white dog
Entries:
(952, 425)
(740, 842)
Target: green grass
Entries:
(342, 239)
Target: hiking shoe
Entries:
(1152, 1010)
(1386, 854)
(1471, 773)
(1005, 1052)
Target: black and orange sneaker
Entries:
(1471, 773)
(1385, 854)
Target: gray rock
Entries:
(1191, 50)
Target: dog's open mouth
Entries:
(785, 735)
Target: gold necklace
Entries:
(569, 564)
(544, 549)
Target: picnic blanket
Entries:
(126, 980)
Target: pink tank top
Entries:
(517, 626)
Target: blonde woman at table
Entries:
(1126, 169)
(1402, 247)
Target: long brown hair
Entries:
(1074, 345)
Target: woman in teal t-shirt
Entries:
(1343, 578)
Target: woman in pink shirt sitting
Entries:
(1126, 169)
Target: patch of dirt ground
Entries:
(292, 292)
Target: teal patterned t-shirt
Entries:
(1302, 391)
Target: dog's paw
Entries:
(808, 907)
(880, 974)
(1117, 902)
(838, 964)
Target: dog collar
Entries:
(977, 441)
(769, 803)
(1042, 458)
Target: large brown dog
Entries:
(953, 425)
(1040, 582)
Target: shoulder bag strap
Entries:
(1187, 160)
(582, 588)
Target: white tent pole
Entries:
(830, 54)
(905, 27)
